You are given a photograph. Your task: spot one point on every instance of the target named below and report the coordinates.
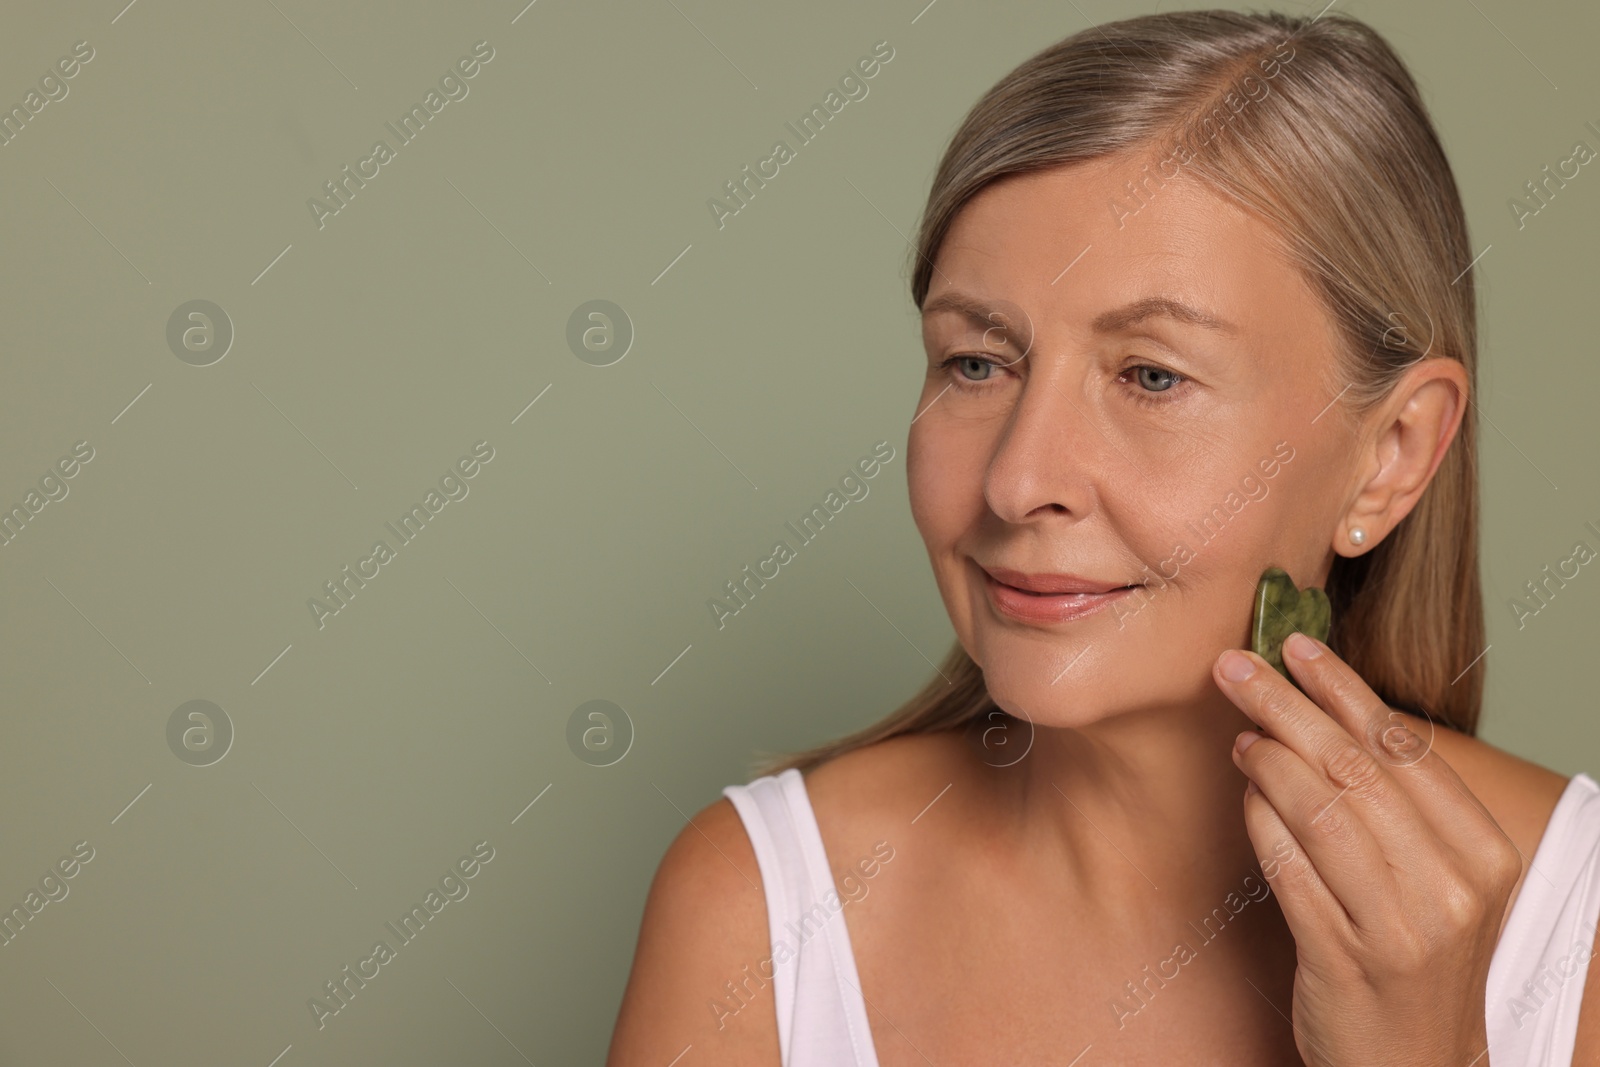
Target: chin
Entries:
(1092, 670)
(1094, 694)
(1054, 683)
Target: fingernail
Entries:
(1301, 646)
(1236, 666)
(1245, 740)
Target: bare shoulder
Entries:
(702, 969)
(903, 803)
(704, 926)
(1519, 794)
(888, 783)
(882, 770)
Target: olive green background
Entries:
(424, 317)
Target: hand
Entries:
(1391, 874)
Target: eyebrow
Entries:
(1150, 307)
(969, 307)
(1112, 321)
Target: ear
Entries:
(1405, 440)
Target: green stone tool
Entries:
(1281, 609)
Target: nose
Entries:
(1046, 461)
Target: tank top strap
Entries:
(1536, 978)
(822, 1017)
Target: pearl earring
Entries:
(1357, 535)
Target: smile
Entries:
(1026, 606)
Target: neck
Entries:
(1143, 811)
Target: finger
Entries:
(1310, 908)
(1335, 840)
(1362, 782)
(1346, 698)
(1437, 794)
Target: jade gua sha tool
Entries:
(1281, 609)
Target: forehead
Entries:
(1070, 243)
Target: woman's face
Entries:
(1089, 426)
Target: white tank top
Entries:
(1535, 983)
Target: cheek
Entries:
(945, 481)
(923, 491)
(1204, 558)
(941, 483)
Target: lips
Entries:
(1050, 583)
(1046, 598)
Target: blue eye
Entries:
(965, 364)
(1152, 385)
(975, 374)
(973, 363)
(1156, 379)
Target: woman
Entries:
(1197, 301)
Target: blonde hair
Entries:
(1340, 156)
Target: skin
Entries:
(1022, 898)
